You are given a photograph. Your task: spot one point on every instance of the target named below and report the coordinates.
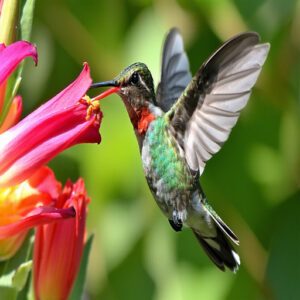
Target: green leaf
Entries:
(78, 287)
(27, 292)
(25, 33)
(14, 272)
(8, 293)
(21, 274)
(26, 19)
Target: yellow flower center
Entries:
(93, 107)
(18, 200)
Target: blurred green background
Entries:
(253, 182)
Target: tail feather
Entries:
(219, 250)
(221, 224)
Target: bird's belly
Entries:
(198, 216)
(166, 171)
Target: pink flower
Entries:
(1, 4)
(58, 247)
(28, 191)
(57, 125)
(12, 55)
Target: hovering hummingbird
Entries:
(184, 123)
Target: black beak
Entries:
(104, 84)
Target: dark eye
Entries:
(134, 79)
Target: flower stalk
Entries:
(8, 21)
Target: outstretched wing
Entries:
(175, 71)
(209, 107)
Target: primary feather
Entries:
(210, 105)
(175, 71)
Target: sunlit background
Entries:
(253, 183)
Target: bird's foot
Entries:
(176, 221)
(177, 227)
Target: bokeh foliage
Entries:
(253, 182)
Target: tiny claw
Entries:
(177, 227)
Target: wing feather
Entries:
(210, 106)
(175, 72)
(228, 102)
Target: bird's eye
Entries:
(134, 79)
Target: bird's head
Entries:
(134, 85)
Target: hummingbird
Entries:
(184, 123)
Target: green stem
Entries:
(8, 21)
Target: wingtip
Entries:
(267, 46)
(174, 29)
(237, 260)
(245, 35)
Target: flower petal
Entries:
(45, 141)
(45, 182)
(1, 4)
(66, 98)
(18, 208)
(9, 246)
(58, 247)
(54, 127)
(39, 216)
(12, 55)
(16, 202)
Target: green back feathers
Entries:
(166, 161)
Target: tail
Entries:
(219, 248)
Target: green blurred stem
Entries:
(8, 21)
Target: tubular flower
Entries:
(26, 205)
(27, 189)
(57, 125)
(58, 247)
(10, 57)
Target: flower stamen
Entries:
(93, 107)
